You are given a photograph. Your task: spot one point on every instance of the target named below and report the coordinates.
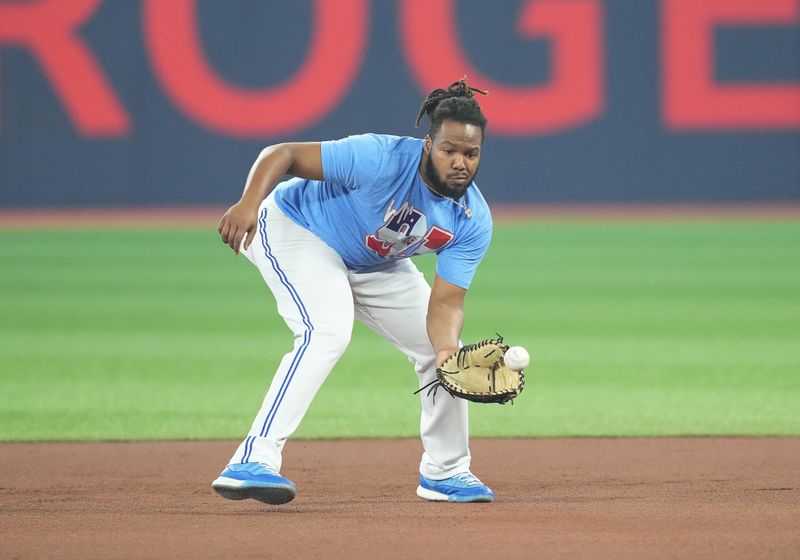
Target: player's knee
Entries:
(333, 341)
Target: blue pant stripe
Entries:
(248, 444)
(300, 354)
(306, 335)
(281, 275)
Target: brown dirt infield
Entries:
(556, 498)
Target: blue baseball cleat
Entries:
(464, 487)
(254, 480)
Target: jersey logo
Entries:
(405, 233)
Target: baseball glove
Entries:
(477, 373)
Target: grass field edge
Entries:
(208, 216)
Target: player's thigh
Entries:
(307, 277)
(393, 302)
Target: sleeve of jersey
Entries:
(457, 264)
(353, 161)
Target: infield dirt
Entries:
(556, 498)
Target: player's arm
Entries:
(299, 159)
(445, 318)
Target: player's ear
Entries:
(426, 144)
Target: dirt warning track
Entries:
(556, 498)
(209, 216)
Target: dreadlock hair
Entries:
(455, 103)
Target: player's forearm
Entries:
(445, 322)
(272, 164)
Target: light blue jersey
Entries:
(373, 207)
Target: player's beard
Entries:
(441, 187)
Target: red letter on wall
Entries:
(573, 96)
(48, 29)
(335, 54)
(691, 98)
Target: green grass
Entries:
(634, 329)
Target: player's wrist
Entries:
(250, 201)
(443, 354)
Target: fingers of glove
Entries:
(509, 382)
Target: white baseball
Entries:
(517, 358)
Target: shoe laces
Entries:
(467, 479)
(270, 469)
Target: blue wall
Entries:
(635, 142)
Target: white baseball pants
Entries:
(319, 297)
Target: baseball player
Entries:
(332, 245)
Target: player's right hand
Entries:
(240, 219)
